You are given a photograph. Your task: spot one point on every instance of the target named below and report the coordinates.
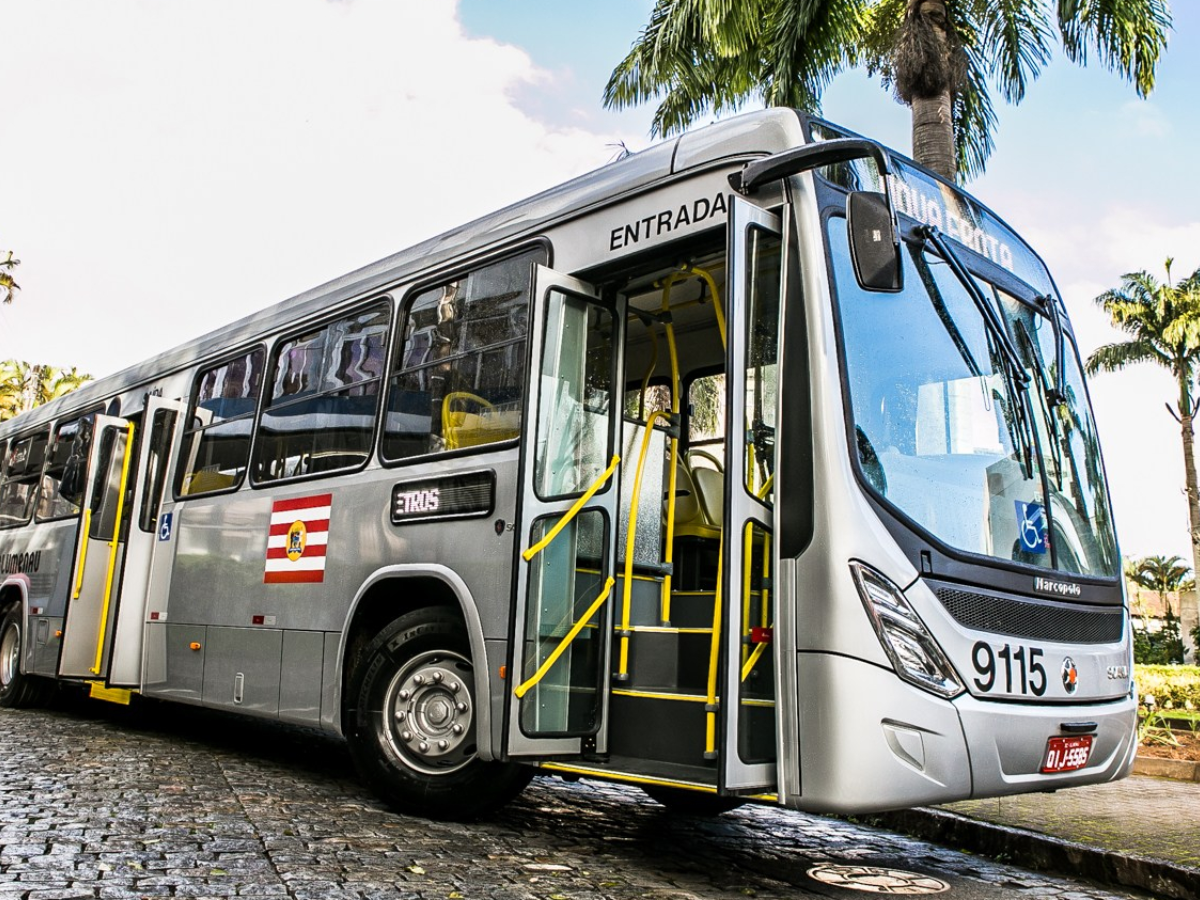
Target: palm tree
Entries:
(7, 285)
(1163, 323)
(1162, 574)
(24, 386)
(941, 57)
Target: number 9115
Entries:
(1012, 668)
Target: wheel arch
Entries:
(425, 586)
(14, 591)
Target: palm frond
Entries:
(1016, 36)
(1113, 357)
(1127, 36)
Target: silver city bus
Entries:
(759, 464)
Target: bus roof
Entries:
(755, 133)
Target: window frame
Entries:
(97, 410)
(400, 323)
(189, 412)
(45, 432)
(384, 301)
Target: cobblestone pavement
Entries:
(98, 802)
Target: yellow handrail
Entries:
(87, 528)
(759, 649)
(714, 654)
(672, 474)
(112, 548)
(522, 689)
(630, 537)
(717, 308)
(573, 511)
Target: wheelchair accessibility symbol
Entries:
(164, 527)
(1031, 527)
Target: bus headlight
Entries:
(915, 655)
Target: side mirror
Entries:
(874, 246)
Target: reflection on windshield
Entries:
(1078, 493)
(945, 435)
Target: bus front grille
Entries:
(1045, 620)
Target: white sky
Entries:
(170, 166)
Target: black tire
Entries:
(691, 803)
(17, 690)
(410, 722)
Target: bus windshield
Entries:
(946, 433)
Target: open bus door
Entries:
(102, 636)
(87, 632)
(748, 732)
(566, 528)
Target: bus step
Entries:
(634, 770)
(667, 659)
(97, 691)
(661, 727)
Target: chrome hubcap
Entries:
(430, 715)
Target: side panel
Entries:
(241, 669)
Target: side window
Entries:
(706, 412)
(67, 450)
(459, 374)
(161, 430)
(216, 445)
(320, 413)
(22, 470)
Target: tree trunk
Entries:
(926, 69)
(933, 135)
(1189, 617)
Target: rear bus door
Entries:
(87, 632)
(145, 534)
(557, 683)
(748, 731)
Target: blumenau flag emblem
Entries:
(297, 541)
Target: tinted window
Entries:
(68, 442)
(22, 470)
(216, 446)
(320, 413)
(459, 374)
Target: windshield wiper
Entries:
(1015, 377)
(1057, 395)
(991, 318)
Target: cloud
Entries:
(171, 167)
(1142, 119)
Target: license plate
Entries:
(1065, 754)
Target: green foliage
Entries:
(7, 285)
(1165, 688)
(24, 386)
(710, 56)
(1161, 647)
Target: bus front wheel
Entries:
(411, 722)
(17, 689)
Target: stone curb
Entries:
(1178, 769)
(1043, 852)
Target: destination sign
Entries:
(449, 497)
(956, 214)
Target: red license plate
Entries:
(1065, 754)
